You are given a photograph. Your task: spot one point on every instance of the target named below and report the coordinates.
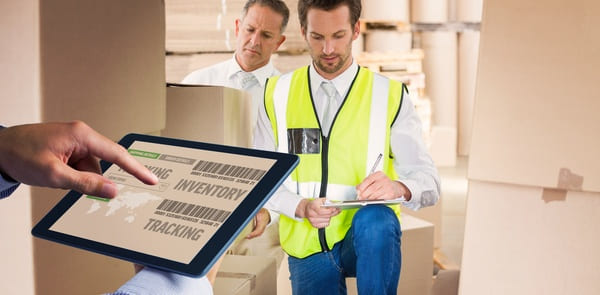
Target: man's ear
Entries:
(303, 32)
(238, 23)
(356, 30)
(280, 42)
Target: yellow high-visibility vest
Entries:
(331, 166)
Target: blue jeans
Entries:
(370, 252)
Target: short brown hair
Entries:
(277, 5)
(304, 5)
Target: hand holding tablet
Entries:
(206, 195)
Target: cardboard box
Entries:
(94, 70)
(543, 129)
(433, 215)
(246, 275)
(178, 66)
(530, 240)
(468, 53)
(19, 103)
(446, 282)
(417, 260)
(534, 171)
(212, 114)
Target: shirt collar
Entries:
(261, 74)
(342, 82)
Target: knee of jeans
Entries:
(379, 216)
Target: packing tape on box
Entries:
(239, 275)
(553, 194)
(567, 181)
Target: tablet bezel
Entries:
(216, 245)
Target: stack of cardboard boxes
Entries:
(534, 170)
(84, 66)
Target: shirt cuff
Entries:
(274, 217)
(415, 191)
(153, 281)
(284, 202)
(7, 186)
(288, 208)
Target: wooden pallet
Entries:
(410, 62)
(441, 261)
(367, 24)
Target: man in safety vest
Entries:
(358, 137)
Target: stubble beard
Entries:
(336, 67)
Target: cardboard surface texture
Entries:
(95, 71)
(534, 173)
(178, 66)
(446, 282)
(468, 52)
(246, 275)
(536, 112)
(540, 245)
(417, 258)
(212, 114)
(432, 214)
(101, 62)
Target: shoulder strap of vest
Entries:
(280, 98)
(378, 117)
(378, 122)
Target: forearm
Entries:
(284, 202)
(412, 162)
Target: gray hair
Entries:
(277, 5)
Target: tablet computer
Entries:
(206, 194)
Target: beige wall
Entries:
(19, 95)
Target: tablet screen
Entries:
(199, 191)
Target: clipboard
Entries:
(350, 204)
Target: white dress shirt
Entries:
(229, 74)
(150, 281)
(412, 162)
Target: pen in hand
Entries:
(376, 163)
(358, 193)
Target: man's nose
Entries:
(328, 47)
(255, 39)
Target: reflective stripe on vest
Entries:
(349, 159)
